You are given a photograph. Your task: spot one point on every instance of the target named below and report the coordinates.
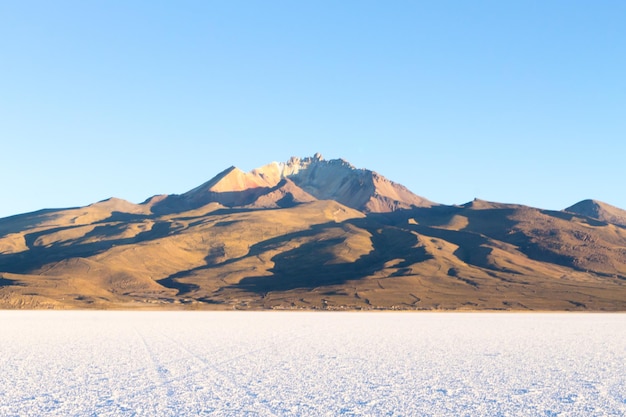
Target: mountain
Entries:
(337, 180)
(313, 234)
(600, 211)
(298, 181)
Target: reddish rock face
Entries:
(307, 179)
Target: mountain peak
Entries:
(338, 180)
(309, 178)
(600, 211)
(478, 204)
(119, 205)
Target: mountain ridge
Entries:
(600, 211)
(313, 234)
(335, 179)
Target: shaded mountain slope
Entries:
(600, 211)
(293, 182)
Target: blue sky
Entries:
(511, 101)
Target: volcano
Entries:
(312, 233)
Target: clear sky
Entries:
(510, 101)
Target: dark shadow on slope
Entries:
(475, 240)
(158, 230)
(287, 201)
(426, 216)
(4, 282)
(473, 245)
(498, 224)
(21, 222)
(568, 216)
(313, 263)
(173, 283)
(171, 204)
(232, 199)
(255, 250)
(239, 210)
(223, 212)
(38, 256)
(472, 248)
(119, 216)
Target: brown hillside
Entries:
(271, 239)
(600, 211)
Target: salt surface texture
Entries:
(269, 363)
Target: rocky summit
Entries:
(312, 233)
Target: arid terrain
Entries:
(313, 234)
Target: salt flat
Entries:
(295, 363)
